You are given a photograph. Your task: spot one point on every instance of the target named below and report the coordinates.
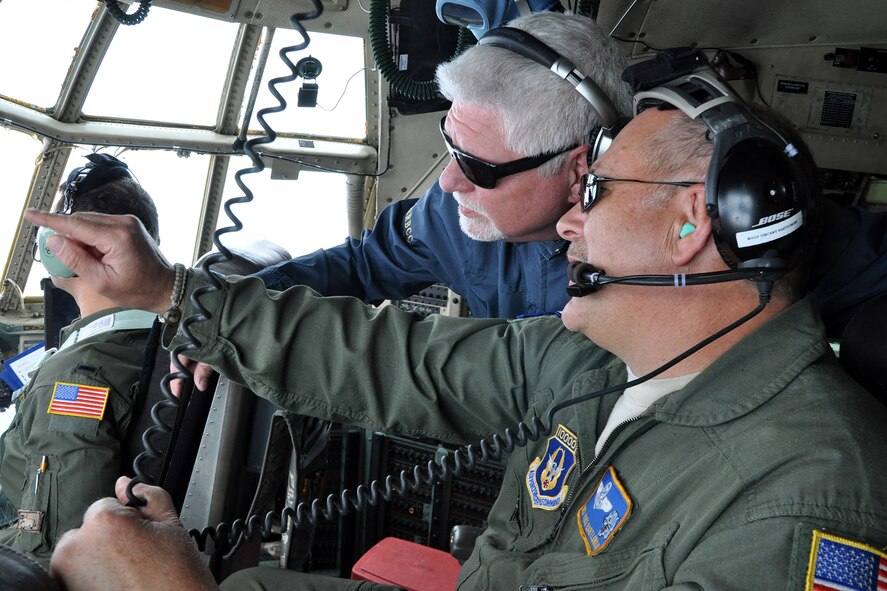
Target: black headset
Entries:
(524, 44)
(755, 188)
(101, 169)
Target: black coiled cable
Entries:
(380, 44)
(160, 427)
(114, 9)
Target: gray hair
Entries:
(680, 148)
(539, 111)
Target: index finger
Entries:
(82, 227)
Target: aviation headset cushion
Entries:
(754, 196)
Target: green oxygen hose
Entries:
(417, 90)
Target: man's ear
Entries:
(692, 227)
(578, 163)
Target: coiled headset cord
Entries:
(160, 429)
(492, 448)
(120, 15)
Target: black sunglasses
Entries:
(593, 183)
(486, 174)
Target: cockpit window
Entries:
(300, 215)
(341, 94)
(18, 152)
(37, 54)
(170, 68)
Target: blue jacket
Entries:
(416, 243)
(850, 265)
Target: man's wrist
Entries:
(173, 314)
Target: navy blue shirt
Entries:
(416, 243)
(850, 265)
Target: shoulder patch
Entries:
(838, 563)
(78, 400)
(547, 476)
(604, 513)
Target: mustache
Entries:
(468, 203)
(459, 198)
(577, 251)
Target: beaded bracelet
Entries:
(174, 313)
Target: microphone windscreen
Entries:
(580, 272)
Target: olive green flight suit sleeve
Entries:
(451, 379)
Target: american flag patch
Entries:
(837, 563)
(78, 400)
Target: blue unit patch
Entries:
(547, 476)
(604, 513)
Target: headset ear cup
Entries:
(758, 204)
(49, 261)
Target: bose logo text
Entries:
(773, 218)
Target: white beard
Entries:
(480, 229)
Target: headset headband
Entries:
(102, 169)
(522, 43)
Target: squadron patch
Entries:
(841, 563)
(547, 476)
(78, 400)
(604, 513)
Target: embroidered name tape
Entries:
(78, 400)
(408, 226)
(547, 476)
(604, 513)
(848, 565)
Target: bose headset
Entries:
(755, 188)
(102, 169)
(524, 44)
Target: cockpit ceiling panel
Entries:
(276, 13)
(745, 23)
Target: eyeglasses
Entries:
(486, 174)
(593, 183)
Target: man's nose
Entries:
(453, 180)
(569, 227)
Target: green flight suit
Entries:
(83, 454)
(728, 477)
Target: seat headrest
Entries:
(864, 346)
